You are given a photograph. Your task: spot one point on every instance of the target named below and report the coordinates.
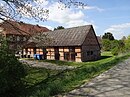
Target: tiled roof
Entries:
(20, 28)
(67, 37)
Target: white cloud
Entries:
(76, 15)
(77, 23)
(64, 16)
(119, 30)
(58, 15)
(91, 8)
(67, 16)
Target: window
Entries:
(72, 49)
(10, 38)
(18, 38)
(24, 38)
(14, 39)
(89, 53)
(51, 53)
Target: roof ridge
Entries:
(71, 28)
(24, 23)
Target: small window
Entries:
(89, 53)
(72, 49)
(14, 39)
(24, 39)
(18, 38)
(10, 38)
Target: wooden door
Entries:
(44, 53)
(72, 53)
(57, 53)
(72, 56)
(66, 56)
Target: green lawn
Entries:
(45, 83)
(104, 55)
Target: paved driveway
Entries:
(113, 83)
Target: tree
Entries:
(59, 27)
(123, 38)
(106, 44)
(117, 47)
(11, 72)
(15, 9)
(114, 44)
(41, 39)
(108, 35)
(127, 43)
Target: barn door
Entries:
(72, 53)
(57, 53)
(44, 53)
(72, 56)
(66, 56)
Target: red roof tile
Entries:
(20, 28)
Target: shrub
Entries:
(11, 73)
(115, 51)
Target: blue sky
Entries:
(105, 15)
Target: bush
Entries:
(11, 74)
(115, 51)
(106, 45)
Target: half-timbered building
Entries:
(18, 33)
(78, 44)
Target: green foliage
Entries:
(115, 46)
(108, 36)
(11, 73)
(118, 47)
(115, 51)
(106, 45)
(127, 43)
(59, 27)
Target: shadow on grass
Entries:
(104, 57)
(52, 85)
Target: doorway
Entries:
(56, 53)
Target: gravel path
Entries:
(46, 65)
(112, 83)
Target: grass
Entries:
(46, 83)
(105, 55)
(37, 75)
